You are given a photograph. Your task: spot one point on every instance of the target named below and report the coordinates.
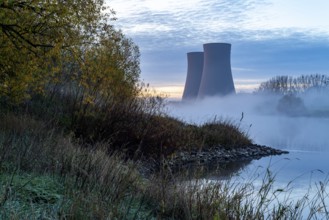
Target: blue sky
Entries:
(268, 37)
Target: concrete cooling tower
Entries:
(194, 74)
(217, 77)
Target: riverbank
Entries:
(56, 171)
(49, 174)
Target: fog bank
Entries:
(269, 119)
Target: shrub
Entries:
(224, 133)
(291, 105)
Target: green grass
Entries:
(30, 195)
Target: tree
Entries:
(37, 37)
(291, 85)
(111, 68)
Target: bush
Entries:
(223, 133)
(291, 105)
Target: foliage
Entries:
(64, 46)
(110, 69)
(140, 127)
(223, 133)
(292, 85)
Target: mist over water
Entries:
(262, 119)
(299, 125)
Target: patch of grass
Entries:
(224, 133)
(25, 195)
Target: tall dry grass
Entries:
(48, 175)
(94, 182)
(197, 198)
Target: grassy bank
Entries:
(49, 171)
(63, 160)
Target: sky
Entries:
(268, 37)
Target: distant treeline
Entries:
(293, 85)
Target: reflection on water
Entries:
(298, 165)
(211, 171)
(225, 171)
(297, 174)
(306, 137)
(299, 169)
(300, 185)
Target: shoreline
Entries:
(220, 155)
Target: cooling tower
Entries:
(217, 77)
(194, 74)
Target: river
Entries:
(302, 173)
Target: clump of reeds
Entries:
(197, 198)
(85, 182)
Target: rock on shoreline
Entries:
(220, 155)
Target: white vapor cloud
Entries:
(262, 121)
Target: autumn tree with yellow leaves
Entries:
(66, 45)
